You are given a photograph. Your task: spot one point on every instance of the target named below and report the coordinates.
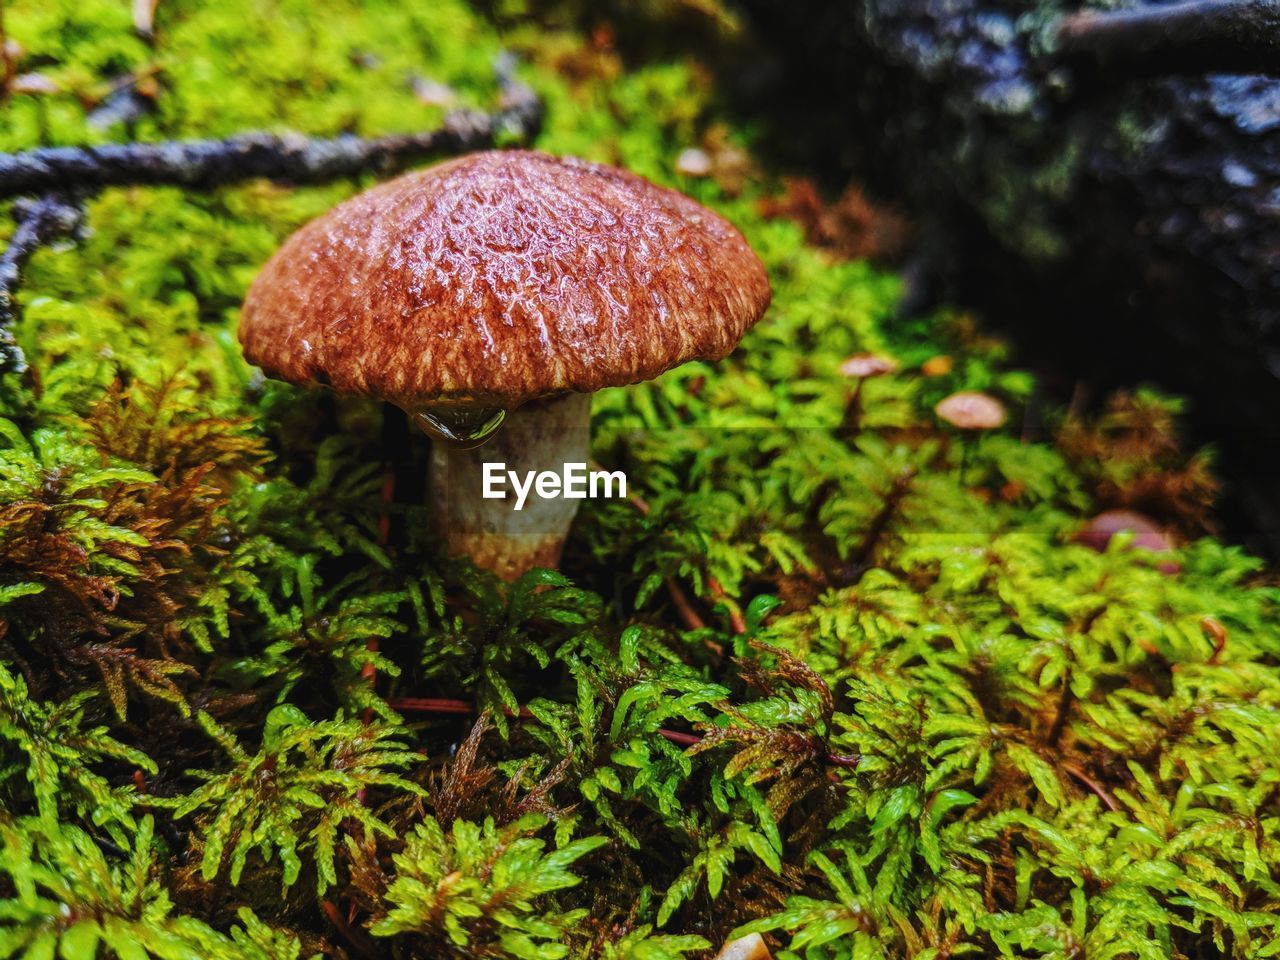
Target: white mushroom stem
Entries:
(543, 435)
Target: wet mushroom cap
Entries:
(969, 410)
(500, 277)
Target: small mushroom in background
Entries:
(499, 290)
(938, 366)
(969, 410)
(750, 947)
(1147, 534)
(694, 162)
(719, 158)
(862, 367)
(144, 17)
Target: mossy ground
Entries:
(1063, 753)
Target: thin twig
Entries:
(386, 497)
(293, 158)
(637, 501)
(690, 617)
(1218, 633)
(736, 621)
(1094, 786)
(40, 222)
(359, 943)
(680, 739)
(848, 760)
(1064, 708)
(445, 705)
(369, 672)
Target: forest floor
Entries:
(840, 673)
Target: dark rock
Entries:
(1127, 226)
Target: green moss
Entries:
(1058, 752)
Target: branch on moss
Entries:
(1198, 36)
(202, 164)
(39, 221)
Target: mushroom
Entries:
(938, 366)
(501, 289)
(750, 947)
(694, 162)
(969, 410)
(862, 367)
(1147, 534)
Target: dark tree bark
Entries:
(1196, 37)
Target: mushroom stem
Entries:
(541, 436)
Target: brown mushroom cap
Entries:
(969, 410)
(500, 277)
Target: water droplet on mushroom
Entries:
(460, 426)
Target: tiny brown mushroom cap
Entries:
(750, 947)
(863, 365)
(971, 411)
(1147, 534)
(501, 277)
